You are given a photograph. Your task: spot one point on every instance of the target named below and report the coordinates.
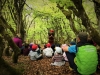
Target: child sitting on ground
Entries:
(26, 50)
(58, 59)
(48, 52)
(34, 55)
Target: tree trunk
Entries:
(6, 51)
(14, 47)
(1, 46)
(86, 22)
(72, 25)
(5, 69)
(9, 40)
(68, 16)
(16, 13)
(20, 23)
(97, 11)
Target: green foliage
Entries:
(8, 16)
(42, 15)
(47, 17)
(65, 3)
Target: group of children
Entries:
(35, 52)
(82, 54)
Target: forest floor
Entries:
(40, 67)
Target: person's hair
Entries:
(45, 46)
(38, 45)
(17, 35)
(26, 45)
(83, 36)
(74, 39)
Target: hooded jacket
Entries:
(86, 57)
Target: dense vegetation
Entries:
(33, 20)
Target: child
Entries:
(34, 55)
(30, 46)
(48, 52)
(26, 50)
(64, 53)
(58, 59)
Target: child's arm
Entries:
(53, 59)
(71, 49)
(65, 48)
(38, 56)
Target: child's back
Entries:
(58, 59)
(34, 55)
(48, 52)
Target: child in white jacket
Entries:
(48, 52)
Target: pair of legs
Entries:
(71, 57)
(72, 64)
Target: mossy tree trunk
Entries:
(16, 11)
(5, 69)
(97, 11)
(9, 40)
(79, 11)
(1, 46)
(6, 49)
(86, 22)
(69, 17)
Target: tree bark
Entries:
(9, 39)
(86, 22)
(1, 46)
(5, 69)
(20, 23)
(97, 11)
(68, 16)
(16, 13)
